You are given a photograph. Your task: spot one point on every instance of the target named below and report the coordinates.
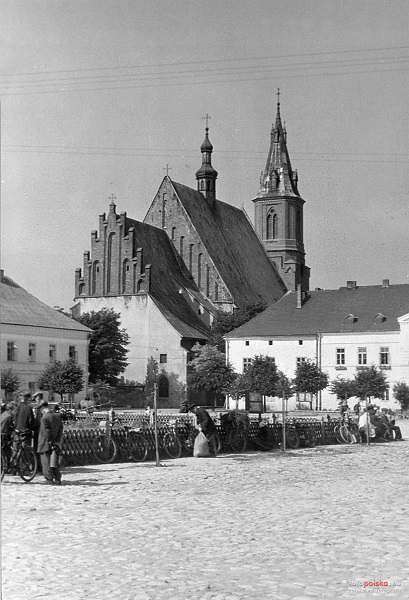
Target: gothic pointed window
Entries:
(110, 262)
(298, 225)
(95, 278)
(181, 245)
(272, 226)
(126, 276)
(199, 271)
(164, 199)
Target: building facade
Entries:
(341, 330)
(34, 335)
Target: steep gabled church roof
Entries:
(19, 307)
(234, 248)
(374, 308)
(165, 275)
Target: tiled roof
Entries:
(166, 272)
(234, 248)
(369, 308)
(19, 307)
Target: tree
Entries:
(343, 388)
(62, 378)
(107, 345)
(284, 386)
(401, 394)
(370, 382)
(310, 379)
(262, 375)
(152, 370)
(226, 322)
(10, 382)
(210, 370)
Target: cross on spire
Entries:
(207, 117)
(112, 198)
(167, 169)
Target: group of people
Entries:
(41, 427)
(373, 422)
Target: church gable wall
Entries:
(167, 212)
(150, 334)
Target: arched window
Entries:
(181, 245)
(173, 233)
(272, 226)
(164, 200)
(216, 290)
(95, 277)
(207, 280)
(109, 263)
(126, 276)
(139, 285)
(199, 271)
(298, 224)
(191, 247)
(81, 289)
(163, 387)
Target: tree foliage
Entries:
(210, 372)
(226, 322)
(10, 381)
(107, 345)
(371, 382)
(309, 378)
(62, 377)
(152, 371)
(262, 375)
(401, 394)
(284, 386)
(343, 388)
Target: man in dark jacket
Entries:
(206, 424)
(49, 441)
(23, 421)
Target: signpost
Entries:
(155, 416)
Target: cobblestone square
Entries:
(311, 523)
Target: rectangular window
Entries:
(300, 359)
(340, 356)
(32, 352)
(300, 342)
(52, 353)
(11, 351)
(386, 395)
(246, 364)
(384, 356)
(270, 342)
(163, 358)
(362, 356)
(247, 343)
(72, 353)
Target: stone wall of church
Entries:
(167, 213)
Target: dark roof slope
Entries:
(158, 251)
(367, 308)
(19, 307)
(234, 247)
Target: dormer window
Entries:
(380, 318)
(351, 318)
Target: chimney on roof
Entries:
(351, 285)
(385, 283)
(299, 295)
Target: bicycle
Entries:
(21, 461)
(237, 426)
(347, 432)
(182, 438)
(295, 434)
(105, 448)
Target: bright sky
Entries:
(98, 96)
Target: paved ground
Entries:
(257, 526)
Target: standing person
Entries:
(49, 440)
(38, 414)
(23, 421)
(206, 424)
(7, 428)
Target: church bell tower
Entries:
(278, 211)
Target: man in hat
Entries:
(23, 421)
(206, 424)
(49, 441)
(388, 425)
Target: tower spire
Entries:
(206, 176)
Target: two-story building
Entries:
(341, 330)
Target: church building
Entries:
(192, 256)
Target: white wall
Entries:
(150, 334)
(286, 350)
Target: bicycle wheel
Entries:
(104, 448)
(27, 463)
(218, 443)
(172, 445)
(345, 434)
(310, 438)
(237, 440)
(292, 438)
(3, 464)
(137, 447)
(337, 434)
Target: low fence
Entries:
(80, 434)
